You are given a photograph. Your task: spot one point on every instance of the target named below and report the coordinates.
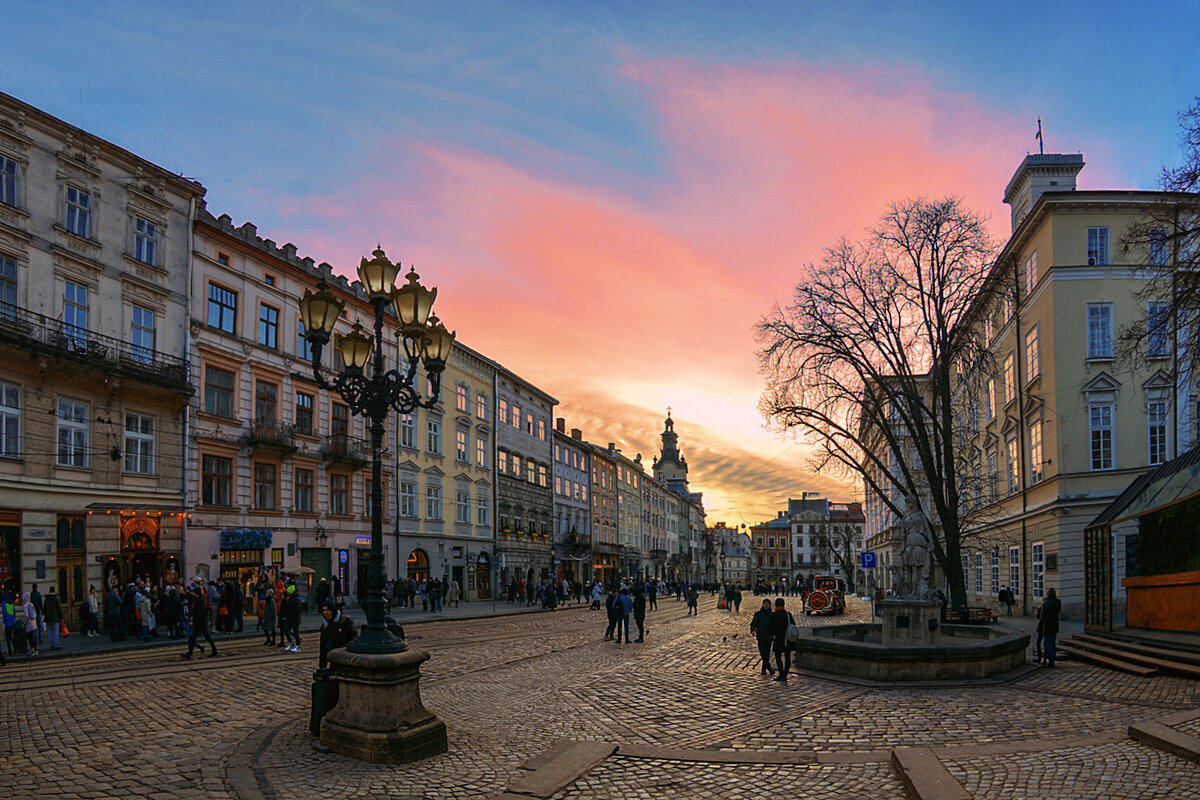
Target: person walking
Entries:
(778, 624)
(9, 611)
(93, 606)
(454, 594)
(639, 616)
(624, 609)
(112, 614)
(53, 615)
(268, 618)
(737, 600)
(291, 609)
(652, 596)
(35, 597)
(612, 606)
(31, 623)
(198, 610)
(597, 595)
(145, 614)
(280, 593)
(693, 600)
(1051, 609)
(760, 627)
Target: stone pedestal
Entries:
(379, 716)
(910, 622)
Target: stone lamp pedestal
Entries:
(379, 716)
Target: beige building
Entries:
(1055, 423)
(93, 376)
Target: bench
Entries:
(978, 615)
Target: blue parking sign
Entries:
(868, 559)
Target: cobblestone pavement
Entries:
(690, 713)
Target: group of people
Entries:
(770, 629)
(434, 594)
(41, 615)
(621, 604)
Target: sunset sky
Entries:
(608, 195)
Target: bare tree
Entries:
(862, 362)
(1167, 242)
(840, 539)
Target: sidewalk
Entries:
(78, 644)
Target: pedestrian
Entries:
(337, 631)
(53, 619)
(1007, 599)
(611, 606)
(423, 593)
(652, 596)
(624, 609)
(454, 594)
(737, 599)
(693, 600)
(291, 608)
(1038, 653)
(93, 607)
(172, 612)
(198, 609)
(35, 597)
(280, 592)
(597, 595)
(1051, 609)
(9, 610)
(778, 624)
(760, 627)
(639, 615)
(145, 614)
(112, 614)
(268, 618)
(31, 623)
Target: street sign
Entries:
(868, 559)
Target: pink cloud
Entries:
(590, 291)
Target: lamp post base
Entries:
(379, 716)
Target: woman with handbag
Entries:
(31, 623)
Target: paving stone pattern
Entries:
(146, 724)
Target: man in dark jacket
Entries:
(613, 606)
(291, 615)
(639, 615)
(198, 609)
(53, 614)
(1051, 610)
(112, 614)
(337, 630)
(778, 624)
(760, 627)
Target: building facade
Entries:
(94, 380)
(572, 504)
(606, 543)
(629, 509)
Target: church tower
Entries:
(670, 467)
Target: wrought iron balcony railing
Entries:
(42, 335)
(271, 434)
(345, 450)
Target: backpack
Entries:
(792, 637)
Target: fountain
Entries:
(911, 643)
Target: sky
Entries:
(609, 195)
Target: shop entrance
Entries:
(418, 565)
(69, 535)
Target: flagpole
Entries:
(1041, 141)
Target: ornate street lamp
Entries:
(376, 662)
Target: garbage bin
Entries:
(324, 698)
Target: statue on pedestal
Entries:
(915, 576)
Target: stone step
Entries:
(1158, 651)
(1080, 654)
(1162, 664)
(1169, 740)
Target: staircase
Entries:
(1134, 655)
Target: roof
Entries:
(1166, 484)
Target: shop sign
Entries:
(362, 541)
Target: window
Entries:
(516, 416)
(304, 413)
(433, 502)
(339, 419)
(1158, 330)
(222, 308)
(481, 453)
(1013, 466)
(219, 392)
(302, 498)
(10, 420)
(1033, 362)
(502, 462)
(1006, 308)
(72, 433)
(139, 444)
(1037, 569)
(1031, 272)
(269, 279)
(264, 486)
(1097, 246)
(215, 480)
(989, 328)
(408, 499)
(530, 470)
(8, 286)
(541, 429)
(1014, 570)
(989, 399)
(268, 326)
(141, 334)
(338, 495)
(1009, 378)
(433, 436)
(481, 510)
(1158, 247)
(460, 445)
(462, 507)
(408, 431)
(1099, 330)
(463, 398)
(145, 240)
(264, 402)
(79, 209)
(223, 258)
(1156, 419)
(481, 405)
(8, 181)
(979, 573)
(543, 476)
(995, 572)
(973, 415)
(303, 347)
(1036, 460)
(503, 412)
(1100, 424)
(75, 312)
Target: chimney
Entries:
(560, 425)
(577, 434)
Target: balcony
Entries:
(41, 335)
(341, 450)
(271, 435)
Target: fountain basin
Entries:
(957, 652)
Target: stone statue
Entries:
(916, 552)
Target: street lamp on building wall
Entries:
(375, 667)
